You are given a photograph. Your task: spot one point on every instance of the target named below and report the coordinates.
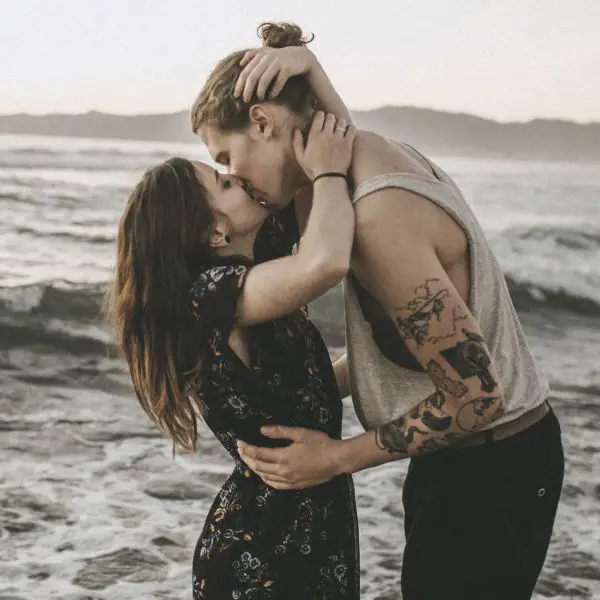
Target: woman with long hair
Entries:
(207, 302)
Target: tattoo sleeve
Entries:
(466, 397)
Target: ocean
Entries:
(92, 504)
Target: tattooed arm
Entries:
(397, 262)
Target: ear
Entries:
(219, 236)
(261, 120)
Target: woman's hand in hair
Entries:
(266, 70)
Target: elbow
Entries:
(498, 409)
(330, 270)
(338, 271)
(473, 413)
(493, 410)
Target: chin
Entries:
(284, 202)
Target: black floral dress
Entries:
(258, 542)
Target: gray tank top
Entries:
(381, 389)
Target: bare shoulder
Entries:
(396, 214)
(376, 155)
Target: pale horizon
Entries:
(352, 109)
(513, 62)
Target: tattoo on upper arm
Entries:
(443, 382)
(436, 424)
(470, 359)
(414, 320)
(425, 306)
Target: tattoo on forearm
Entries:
(470, 359)
(431, 444)
(395, 437)
(432, 414)
(398, 435)
(429, 417)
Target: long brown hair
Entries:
(216, 105)
(161, 246)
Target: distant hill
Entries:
(433, 131)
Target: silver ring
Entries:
(342, 129)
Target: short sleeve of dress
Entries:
(214, 296)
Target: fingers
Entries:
(253, 60)
(317, 123)
(269, 455)
(280, 432)
(329, 125)
(350, 133)
(260, 70)
(266, 78)
(275, 474)
(281, 64)
(250, 54)
(340, 128)
(280, 485)
(328, 147)
(280, 81)
(262, 468)
(240, 84)
(253, 78)
(298, 145)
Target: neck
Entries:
(241, 246)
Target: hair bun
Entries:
(281, 35)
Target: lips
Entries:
(257, 196)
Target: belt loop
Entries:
(489, 436)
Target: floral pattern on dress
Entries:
(258, 542)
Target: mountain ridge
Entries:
(432, 131)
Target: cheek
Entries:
(244, 210)
(261, 166)
(272, 168)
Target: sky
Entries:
(510, 60)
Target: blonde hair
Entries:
(216, 105)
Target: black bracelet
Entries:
(331, 174)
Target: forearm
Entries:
(327, 239)
(329, 100)
(435, 423)
(340, 369)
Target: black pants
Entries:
(478, 519)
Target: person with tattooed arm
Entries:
(437, 362)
